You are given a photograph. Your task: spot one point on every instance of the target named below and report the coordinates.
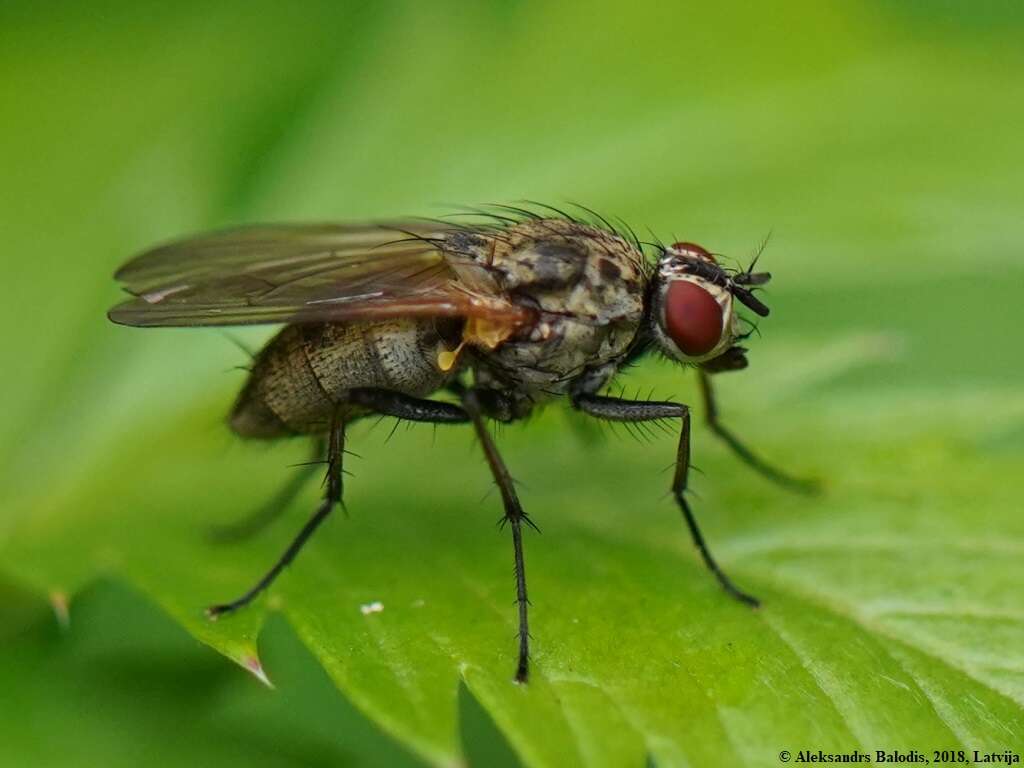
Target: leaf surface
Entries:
(893, 617)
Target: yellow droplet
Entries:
(447, 358)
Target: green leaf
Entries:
(883, 150)
(123, 685)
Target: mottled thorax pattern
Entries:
(587, 286)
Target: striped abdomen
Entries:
(305, 372)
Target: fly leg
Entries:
(748, 457)
(388, 403)
(383, 402)
(332, 496)
(615, 409)
(264, 515)
(476, 402)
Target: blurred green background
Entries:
(881, 143)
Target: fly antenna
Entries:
(760, 250)
(749, 276)
(749, 300)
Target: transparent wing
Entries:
(303, 274)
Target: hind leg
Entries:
(380, 401)
(265, 514)
(335, 452)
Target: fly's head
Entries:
(693, 308)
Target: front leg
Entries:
(750, 458)
(616, 409)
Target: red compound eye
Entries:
(692, 249)
(693, 319)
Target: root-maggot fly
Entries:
(497, 316)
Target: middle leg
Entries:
(475, 403)
(514, 516)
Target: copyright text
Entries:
(903, 757)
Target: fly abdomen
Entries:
(399, 355)
(306, 371)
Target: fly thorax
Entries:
(586, 286)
